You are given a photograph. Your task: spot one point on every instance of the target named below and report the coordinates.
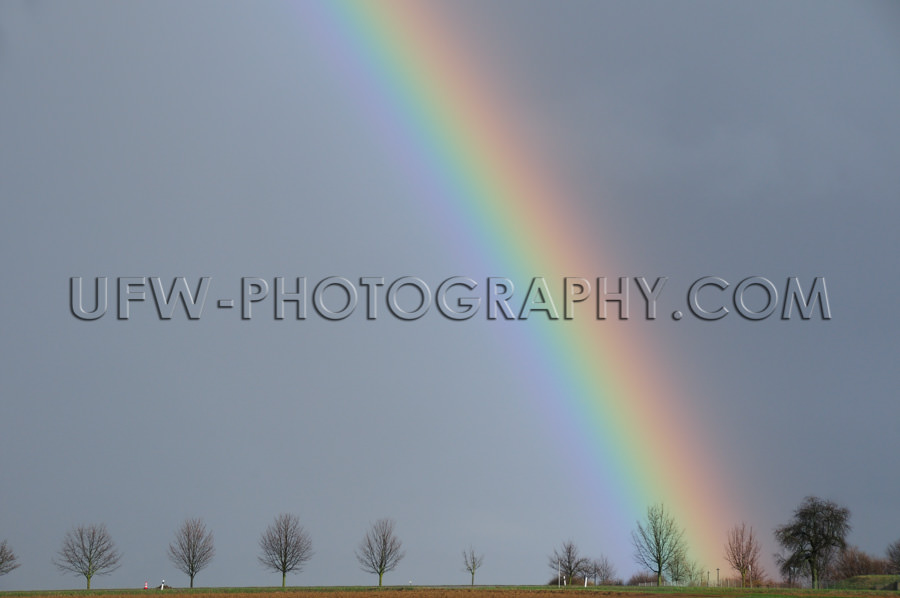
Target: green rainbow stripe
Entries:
(453, 129)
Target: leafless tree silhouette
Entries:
(8, 560)
(659, 543)
(380, 550)
(472, 561)
(88, 550)
(742, 552)
(285, 546)
(193, 547)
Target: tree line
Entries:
(285, 546)
(813, 547)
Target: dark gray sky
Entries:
(216, 139)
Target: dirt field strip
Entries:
(457, 592)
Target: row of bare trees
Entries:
(852, 561)
(813, 546)
(285, 546)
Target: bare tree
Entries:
(893, 557)
(472, 561)
(603, 571)
(568, 563)
(742, 552)
(694, 573)
(680, 569)
(8, 560)
(88, 550)
(285, 546)
(658, 543)
(683, 571)
(193, 547)
(380, 550)
(852, 561)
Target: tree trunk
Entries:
(380, 575)
(283, 578)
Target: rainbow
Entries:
(441, 115)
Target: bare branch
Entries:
(285, 546)
(88, 550)
(193, 548)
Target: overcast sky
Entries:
(218, 140)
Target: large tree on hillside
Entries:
(812, 538)
(285, 546)
(380, 550)
(658, 542)
(742, 552)
(88, 550)
(193, 548)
